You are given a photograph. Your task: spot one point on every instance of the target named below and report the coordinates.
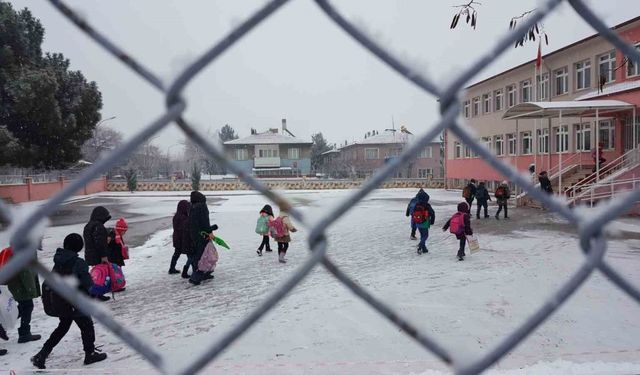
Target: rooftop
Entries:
(268, 138)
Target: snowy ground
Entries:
(322, 328)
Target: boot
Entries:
(94, 356)
(39, 360)
(497, 217)
(281, 258)
(419, 250)
(3, 333)
(460, 254)
(208, 276)
(27, 338)
(173, 271)
(259, 252)
(268, 249)
(3, 352)
(185, 272)
(103, 298)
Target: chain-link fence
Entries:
(27, 231)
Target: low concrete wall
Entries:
(30, 191)
(296, 184)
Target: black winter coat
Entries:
(181, 231)
(482, 194)
(473, 189)
(545, 184)
(115, 249)
(199, 222)
(68, 262)
(95, 236)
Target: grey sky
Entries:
(297, 65)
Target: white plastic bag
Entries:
(8, 309)
(474, 246)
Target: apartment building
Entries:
(591, 69)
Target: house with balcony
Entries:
(363, 158)
(273, 153)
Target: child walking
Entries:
(460, 225)
(262, 228)
(423, 217)
(281, 228)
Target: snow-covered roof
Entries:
(567, 108)
(386, 137)
(611, 89)
(332, 151)
(268, 138)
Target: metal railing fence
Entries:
(25, 232)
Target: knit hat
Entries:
(73, 242)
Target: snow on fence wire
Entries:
(25, 232)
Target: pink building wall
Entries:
(29, 191)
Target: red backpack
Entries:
(456, 225)
(500, 192)
(420, 214)
(277, 228)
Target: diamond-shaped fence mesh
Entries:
(26, 231)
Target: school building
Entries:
(583, 94)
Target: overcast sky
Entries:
(297, 65)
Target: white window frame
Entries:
(487, 102)
(467, 151)
(526, 136)
(511, 96)
(607, 127)
(426, 153)
(368, 151)
(425, 172)
(241, 154)
(543, 86)
(633, 70)
(561, 75)
(543, 141)
(525, 91)
(293, 153)
(475, 107)
(608, 61)
(457, 149)
(580, 131)
(583, 74)
(498, 102)
(499, 145)
(466, 109)
(512, 144)
(561, 134)
(487, 143)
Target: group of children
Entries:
(280, 228)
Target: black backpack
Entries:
(54, 304)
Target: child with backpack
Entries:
(280, 229)
(423, 216)
(502, 195)
(67, 262)
(460, 225)
(262, 228)
(118, 253)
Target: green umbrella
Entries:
(217, 240)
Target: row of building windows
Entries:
(507, 97)
(374, 153)
(243, 153)
(507, 144)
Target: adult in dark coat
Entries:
(95, 237)
(198, 223)
(545, 183)
(67, 262)
(181, 238)
(483, 197)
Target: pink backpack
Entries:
(101, 276)
(277, 228)
(456, 225)
(209, 258)
(118, 281)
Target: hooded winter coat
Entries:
(422, 198)
(25, 285)
(506, 196)
(463, 207)
(482, 194)
(117, 242)
(545, 183)
(181, 231)
(199, 222)
(71, 263)
(95, 236)
(267, 210)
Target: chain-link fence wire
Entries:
(26, 232)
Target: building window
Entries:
(583, 75)
(370, 153)
(543, 141)
(583, 137)
(476, 107)
(294, 153)
(486, 99)
(268, 153)
(543, 86)
(607, 66)
(499, 145)
(498, 100)
(425, 172)
(458, 150)
(242, 154)
(465, 110)
(633, 69)
(606, 132)
(425, 153)
(487, 143)
(527, 143)
(562, 81)
(511, 95)
(467, 151)
(512, 143)
(562, 138)
(525, 91)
